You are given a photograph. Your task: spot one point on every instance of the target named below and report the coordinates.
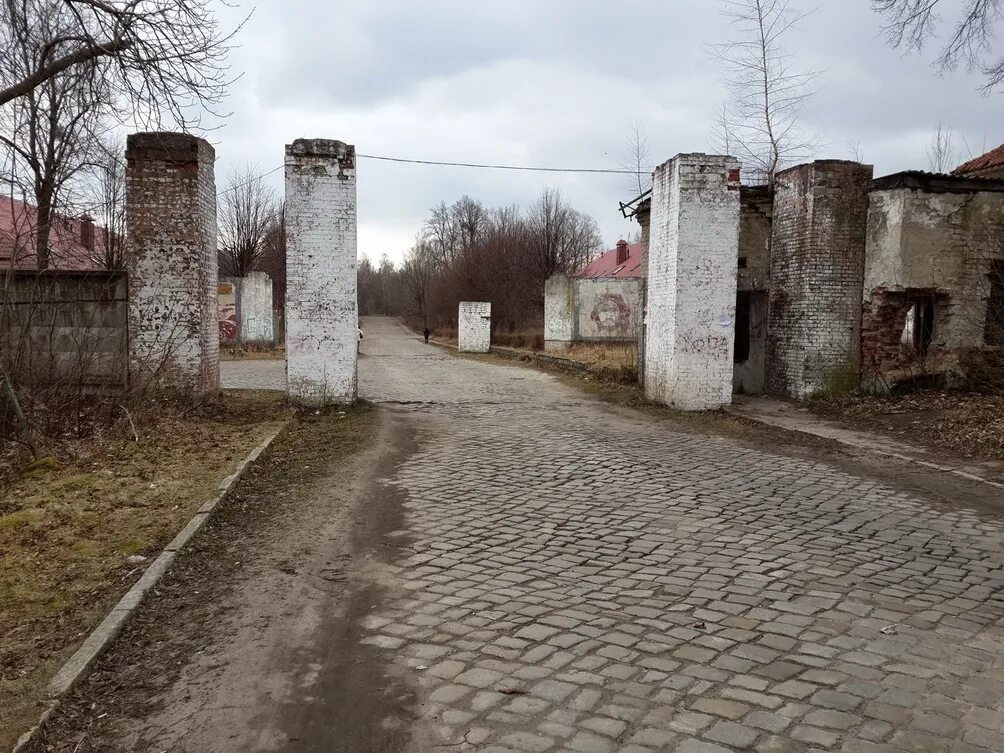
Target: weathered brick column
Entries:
(321, 310)
(691, 286)
(816, 278)
(171, 224)
(474, 327)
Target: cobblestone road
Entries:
(583, 579)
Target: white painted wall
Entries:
(256, 308)
(321, 308)
(474, 327)
(559, 305)
(691, 301)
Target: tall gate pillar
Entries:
(321, 310)
(692, 270)
(171, 223)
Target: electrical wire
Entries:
(477, 165)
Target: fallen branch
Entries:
(132, 424)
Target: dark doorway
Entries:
(742, 351)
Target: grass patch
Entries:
(68, 525)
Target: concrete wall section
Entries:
(816, 276)
(321, 307)
(171, 222)
(607, 309)
(559, 312)
(474, 327)
(256, 309)
(929, 239)
(66, 327)
(691, 295)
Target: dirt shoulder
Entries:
(251, 639)
(968, 425)
(77, 530)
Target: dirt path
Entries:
(509, 564)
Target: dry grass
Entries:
(609, 355)
(68, 525)
(965, 424)
(252, 353)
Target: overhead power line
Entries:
(477, 165)
(505, 167)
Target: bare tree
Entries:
(910, 24)
(108, 191)
(273, 256)
(417, 274)
(941, 154)
(246, 207)
(766, 90)
(857, 153)
(636, 158)
(721, 131)
(561, 239)
(53, 136)
(163, 56)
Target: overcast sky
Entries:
(558, 84)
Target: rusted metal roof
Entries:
(993, 158)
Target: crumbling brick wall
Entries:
(321, 309)
(816, 276)
(691, 293)
(930, 239)
(474, 327)
(171, 224)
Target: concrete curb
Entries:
(105, 633)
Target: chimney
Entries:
(87, 232)
(622, 251)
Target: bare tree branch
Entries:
(165, 57)
(766, 92)
(911, 24)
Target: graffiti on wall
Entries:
(611, 315)
(228, 312)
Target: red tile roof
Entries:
(993, 158)
(17, 228)
(605, 265)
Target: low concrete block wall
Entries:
(66, 327)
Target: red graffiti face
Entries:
(228, 329)
(610, 314)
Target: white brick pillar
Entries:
(692, 269)
(474, 327)
(321, 313)
(171, 223)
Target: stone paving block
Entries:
(719, 707)
(670, 590)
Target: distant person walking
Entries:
(426, 333)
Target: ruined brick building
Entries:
(846, 280)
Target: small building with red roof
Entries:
(74, 243)
(623, 261)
